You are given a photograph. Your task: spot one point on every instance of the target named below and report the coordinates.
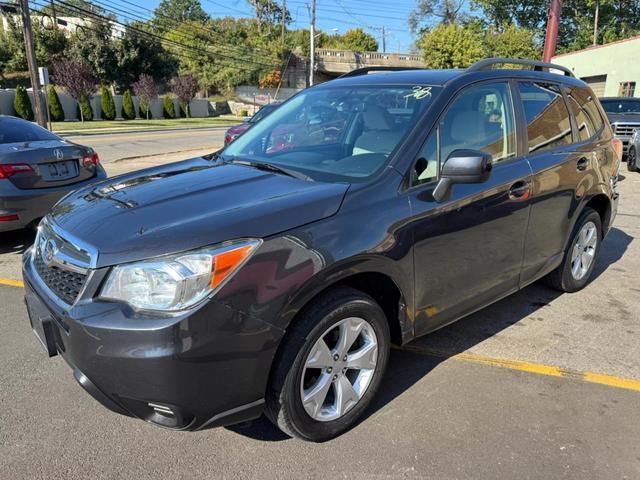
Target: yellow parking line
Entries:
(11, 283)
(537, 368)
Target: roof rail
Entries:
(365, 70)
(489, 63)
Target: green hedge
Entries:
(144, 110)
(107, 104)
(22, 104)
(128, 107)
(55, 107)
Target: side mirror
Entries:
(462, 166)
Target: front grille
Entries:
(625, 129)
(62, 266)
(64, 283)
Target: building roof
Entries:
(596, 47)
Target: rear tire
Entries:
(319, 389)
(632, 160)
(581, 255)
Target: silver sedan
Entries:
(37, 168)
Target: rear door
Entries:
(468, 249)
(561, 168)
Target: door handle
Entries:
(520, 191)
(582, 164)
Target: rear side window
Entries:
(547, 117)
(585, 127)
(13, 130)
(588, 103)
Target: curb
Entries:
(70, 133)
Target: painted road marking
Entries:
(536, 368)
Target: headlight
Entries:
(178, 281)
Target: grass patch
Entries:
(143, 124)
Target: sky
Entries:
(342, 15)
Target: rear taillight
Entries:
(92, 159)
(616, 143)
(10, 169)
(9, 218)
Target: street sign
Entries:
(44, 75)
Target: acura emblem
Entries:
(58, 153)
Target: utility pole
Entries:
(284, 21)
(312, 35)
(595, 23)
(553, 23)
(31, 62)
(384, 41)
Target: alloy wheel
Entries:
(339, 369)
(584, 250)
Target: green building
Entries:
(612, 70)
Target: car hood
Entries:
(623, 118)
(187, 205)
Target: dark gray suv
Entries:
(273, 276)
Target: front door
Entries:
(468, 249)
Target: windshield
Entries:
(621, 106)
(263, 112)
(335, 134)
(13, 130)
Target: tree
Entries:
(146, 90)
(55, 107)
(435, 12)
(512, 42)
(128, 107)
(357, 40)
(269, 12)
(270, 80)
(173, 12)
(84, 110)
(78, 80)
(185, 88)
(168, 108)
(451, 46)
(95, 46)
(107, 104)
(22, 104)
(138, 53)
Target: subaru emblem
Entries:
(49, 251)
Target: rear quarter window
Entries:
(547, 117)
(585, 124)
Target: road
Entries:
(537, 386)
(115, 146)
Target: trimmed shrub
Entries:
(128, 107)
(22, 104)
(55, 107)
(183, 109)
(243, 112)
(84, 111)
(107, 104)
(168, 108)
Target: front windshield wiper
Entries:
(271, 167)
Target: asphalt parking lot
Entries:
(539, 385)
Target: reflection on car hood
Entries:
(188, 205)
(36, 145)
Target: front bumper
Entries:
(33, 204)
(208, 367)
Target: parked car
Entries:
(634, 148)
(37, 168)
(237, 130)
(260, 280)
(624, 115)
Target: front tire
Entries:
(330, 366)
(580, 258)
(632, 160)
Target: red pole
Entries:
(553, 23)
